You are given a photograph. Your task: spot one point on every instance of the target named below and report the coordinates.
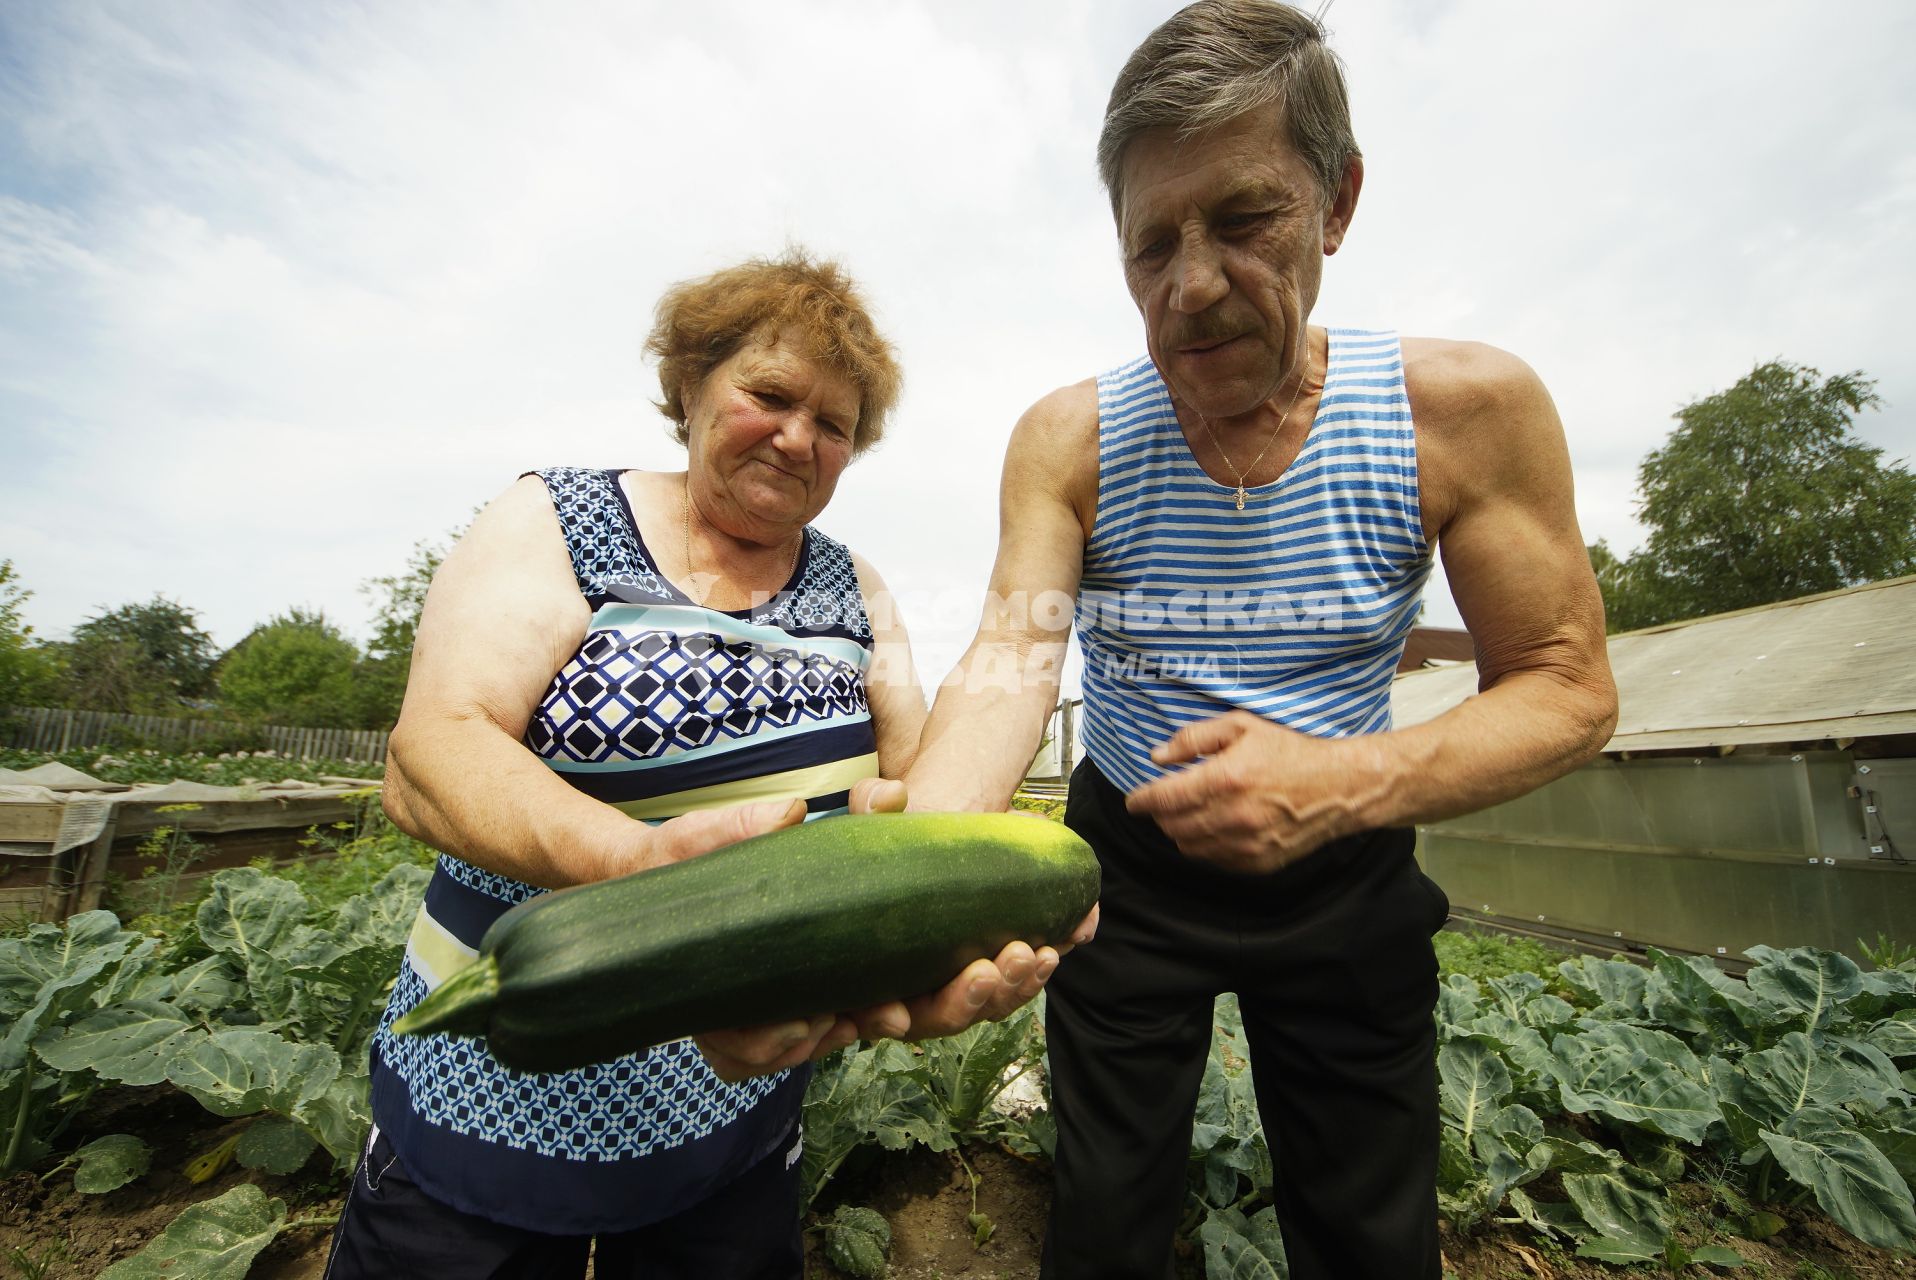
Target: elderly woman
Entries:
(615, 671)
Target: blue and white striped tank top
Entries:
(667, 707)
(1295, 608)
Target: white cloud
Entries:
(291, 288)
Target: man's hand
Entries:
(1263, 795)
(987, 989)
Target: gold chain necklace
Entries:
(1275, 431)
(685, 547)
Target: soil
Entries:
(925, 1196)
(77, 1235)
(1814, 1250)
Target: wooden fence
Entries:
(51, 729)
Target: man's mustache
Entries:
(1203, 331)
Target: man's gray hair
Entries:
(1215, 60)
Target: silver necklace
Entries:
(685, 545)
(1202, 422)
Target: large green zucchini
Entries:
(828, 916)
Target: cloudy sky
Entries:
(286, 287)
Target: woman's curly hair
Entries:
(700, 323)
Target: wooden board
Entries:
(31, 821)
(24, 901)
(136, 818)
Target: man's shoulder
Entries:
(1452, 382)
(1484, 422)
(1054, 447)
(1066, 418)
(1076, 407)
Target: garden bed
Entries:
(134, 831)
(50, 1230)
(1595, 1111)
(922, 1194)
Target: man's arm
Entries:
(991, 710)
(1493, 460)
(1520, 574)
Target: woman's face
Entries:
(770, 431)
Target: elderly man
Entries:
(1245, 518)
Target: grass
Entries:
(362, 853)
(1887, 953)
(1052, 809)
(34, 1266)
(220, 769)
(1495, 955)
(360, 859)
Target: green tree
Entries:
(29, 671)
(1762, 494)
(397, 602)
(296, 669)
(1631, 599)
(144, 658)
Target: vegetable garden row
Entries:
(1666, 1116)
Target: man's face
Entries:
(1223, 238)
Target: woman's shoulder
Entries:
(829, 562)
(601, 497)
(561, 482)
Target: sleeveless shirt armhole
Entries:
(1412, 497)
(1099, 506)
(554, 479)
(1107, 386)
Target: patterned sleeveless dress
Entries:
(667, 707)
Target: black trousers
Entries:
(1333, 968)
(391, 1229)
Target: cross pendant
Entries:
(1240, 497)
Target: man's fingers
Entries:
(1205, 738)
(1087, 929)
(878, 795)
(744, 1052)
(1195, 823)
(1174, 793)
(957, 1004)
(1016, 963)
(844, 1030)
(1025, 972)
(985, 989)
(888, 1021)
(769, 1042)
(1197, 785)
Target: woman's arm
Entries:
(897, 698)
(503, 614)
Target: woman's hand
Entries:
(985, 990)
(691, 834)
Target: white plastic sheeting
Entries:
(1835, 666)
